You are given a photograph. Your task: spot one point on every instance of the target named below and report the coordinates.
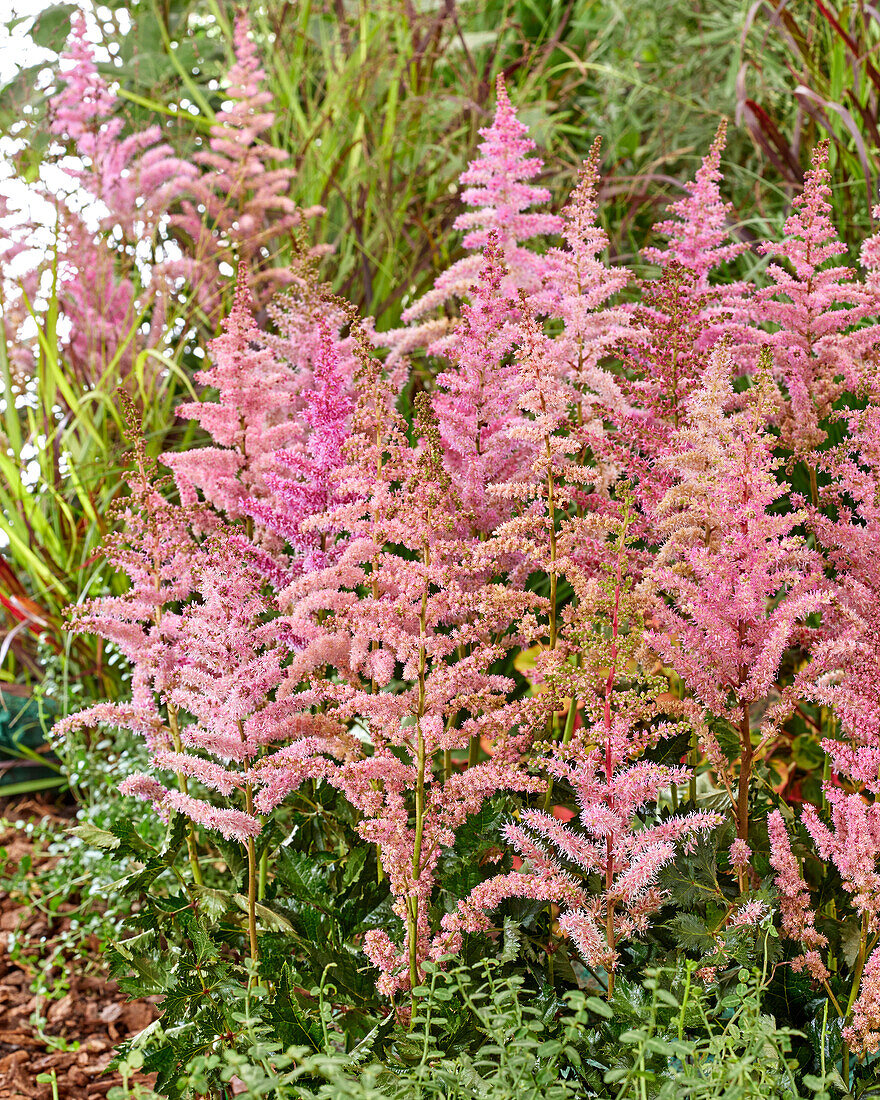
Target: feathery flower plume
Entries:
(809, 306)
(613, 787)
(477, 395)
(240, 205)
(863, 1034)
(732, 580)
(249, 423)
(842, 673)
(798, 919)
(496, 185)
(576, 287)
(698, 236)
(698, 232)
(136, 178)
(314, 464)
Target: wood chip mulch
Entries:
(89, 1019)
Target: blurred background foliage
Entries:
(378, 104)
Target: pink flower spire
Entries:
(811, 306)
(663, 363)
(601, 763)
(209, 660)
(314, 464)
(798, 919)
(698, 232)
(698, 235)
(477, 398)
(136, 178)
(496, 185)
(102, 308)
(732, 581)
(851, 842)
(249, 423)
(576, 288)
(842, 673)
(130, 182)
(863, 1034)
(243, 190)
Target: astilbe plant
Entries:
(432, 615)
(589, 491)
(208, 655)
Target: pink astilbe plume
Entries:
(662, 364)
(698, 232)
(309, 486)
(477, 398)
(850, 842)
(496, 185)
(699, 239)
(576, 288)
(798, 918)
(809, 308)
(614, 788)
(863, 1034)
(136, 178)
(732, 581)
(843, 670)
(250, 421)
(240, 205)
(126, 186)
(207, 657)
(216, 666)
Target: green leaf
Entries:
(203, 946)
(212, 903)
(268, 917)
(594, 1004)
(52, 26)
(127, 947)
(95, 837)
(305, 876)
